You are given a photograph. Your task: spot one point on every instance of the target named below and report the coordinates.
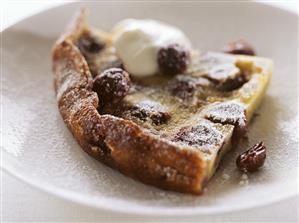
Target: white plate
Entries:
(38, 148)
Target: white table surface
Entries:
(21, 202)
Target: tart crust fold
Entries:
(119, 143)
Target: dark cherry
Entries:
(150, 111)
(173, 59)
(183, 87)
(233, 83)
(112, 85)
(160, 118)
(157, 118)
(227, 77)
(252, 159)
(199, 135)
(239, 47)
(90, 45)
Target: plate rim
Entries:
(79, 199)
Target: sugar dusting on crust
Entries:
(69, 68)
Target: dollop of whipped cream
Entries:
(137, 43)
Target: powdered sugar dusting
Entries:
(47, 152)
(227, 112)
(225, 176)
(244, 180)
(290, 128)
(204, 133)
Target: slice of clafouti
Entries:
(169, 131)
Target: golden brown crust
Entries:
(119, 143)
